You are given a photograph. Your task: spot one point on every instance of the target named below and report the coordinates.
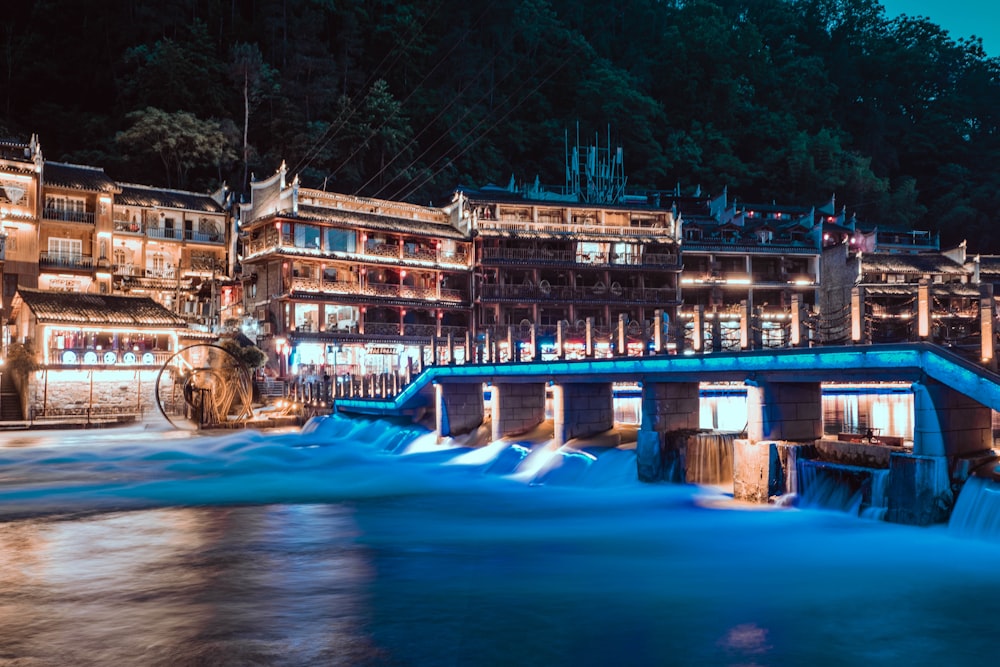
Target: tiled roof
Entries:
(72, 308)
(142, 195)
(918, 263)
(380, 222)
(77, 177)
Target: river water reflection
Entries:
(344, 545)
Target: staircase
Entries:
(10, 401)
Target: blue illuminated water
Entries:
(361, 543)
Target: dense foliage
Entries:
(787, 100)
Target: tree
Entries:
(180, 140)
(255, 80)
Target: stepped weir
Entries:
(783, 451)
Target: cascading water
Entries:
(853, 489)
(368, 543)
(709, 458)
(977, 510)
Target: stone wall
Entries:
(69, 392)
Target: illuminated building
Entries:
(334, 283)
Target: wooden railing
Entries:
(383, 290)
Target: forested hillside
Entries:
(790, 100)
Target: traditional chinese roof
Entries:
(97, 309)
(146, 196)
(989, 266)
(77, 177)
(916, 263)
(380, 222)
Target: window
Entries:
(340, 239)
(306, 236)
(159, 263)
(306, 316)
(65, 248)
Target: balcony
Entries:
(543, 257)
(597, 293)
(378, 290)
(68, 215)
(132, 271)
(164, 233)
(127, 227)
(515, 228)
(64, 260)
(200, 237)
(382, 253)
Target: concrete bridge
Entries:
(953, 403)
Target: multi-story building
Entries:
(756, 261)
(75, 228)
(172, 245)
(894, 296)
(338, 284)
(20, 192)
(542, 260)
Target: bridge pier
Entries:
(581, 409)
(458, 407)
(947, 426)
(781, 417)
(670, 412)
(517, 407)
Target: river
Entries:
(364, 543)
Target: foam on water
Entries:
(329, 460)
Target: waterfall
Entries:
(977, 510)
(709, 458)
(879, 503)
(829, 486)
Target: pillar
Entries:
(451, 349)
(536, 351)
(582, 409)
(517, 407)
(858, 315)
(589, 349)
(560, 340)
(658, 342)
(784, 411)
(923, 309)
(458, 407)
(744, 325)
(947, 423)
(668, 408)
(988, 335)
(622, 346)
(795, 331)
(698, 339)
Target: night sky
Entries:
(961, 18)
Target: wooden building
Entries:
(339, 284)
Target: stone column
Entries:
(458, 407)
(698, 339)
(581, 409)
(589, 349)
(658, 341)
(947, 423)
(784, 411)
(858, 315)
(988, 335)
(517, 407)
(670, 412)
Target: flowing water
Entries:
(364, 543)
